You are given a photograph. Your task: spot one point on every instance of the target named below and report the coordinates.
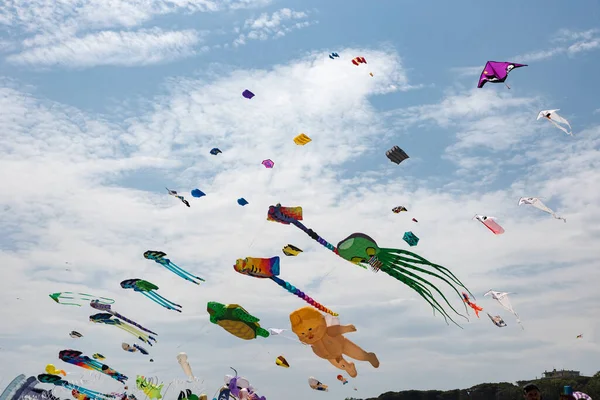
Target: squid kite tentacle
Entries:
(159, 258)
(417, 259)
(425, 293)
(159, 300)
(292, 289)
(444, 274)
(181, 272)
(412, 280)
(164, 299)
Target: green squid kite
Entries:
(363, 251)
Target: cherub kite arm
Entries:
(336, 330)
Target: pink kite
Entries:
(490, 223)
(268, 163)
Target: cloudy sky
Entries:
(104, 103)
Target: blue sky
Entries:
(103, 104)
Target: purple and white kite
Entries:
(497, 72)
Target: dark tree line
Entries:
(550, 387)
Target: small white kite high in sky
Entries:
(537, 203)
(556, 119)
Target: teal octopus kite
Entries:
(159, 257)
(148, 289)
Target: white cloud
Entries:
(272, 26)
(573, 42)
(541, 54)
(47, 16)
(141, 47)
(89, 192)
(5, 45)
(568, 35)
(584, 46)
(66, 32)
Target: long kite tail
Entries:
(412, 258)
(165, 299)
(116, 314)
(557, 217)
(278, 215)
(157, 300)
(292, 289)
(315, 236)
(395, 261)
(138, 334)
(183, 273)
(404, 276)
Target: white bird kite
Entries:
(502, 298)
(556, 119)
(537, 203)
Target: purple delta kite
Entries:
(497, 72)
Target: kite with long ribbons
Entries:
(362, 250)
(180, 197)
(502, 298)
(109, 319)
(147, 289)
(269, 268)
(75, 357)
(57, 381)
(555, 119)
(107, 308)
(159, 258)
(537, 203)
(77, 298)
